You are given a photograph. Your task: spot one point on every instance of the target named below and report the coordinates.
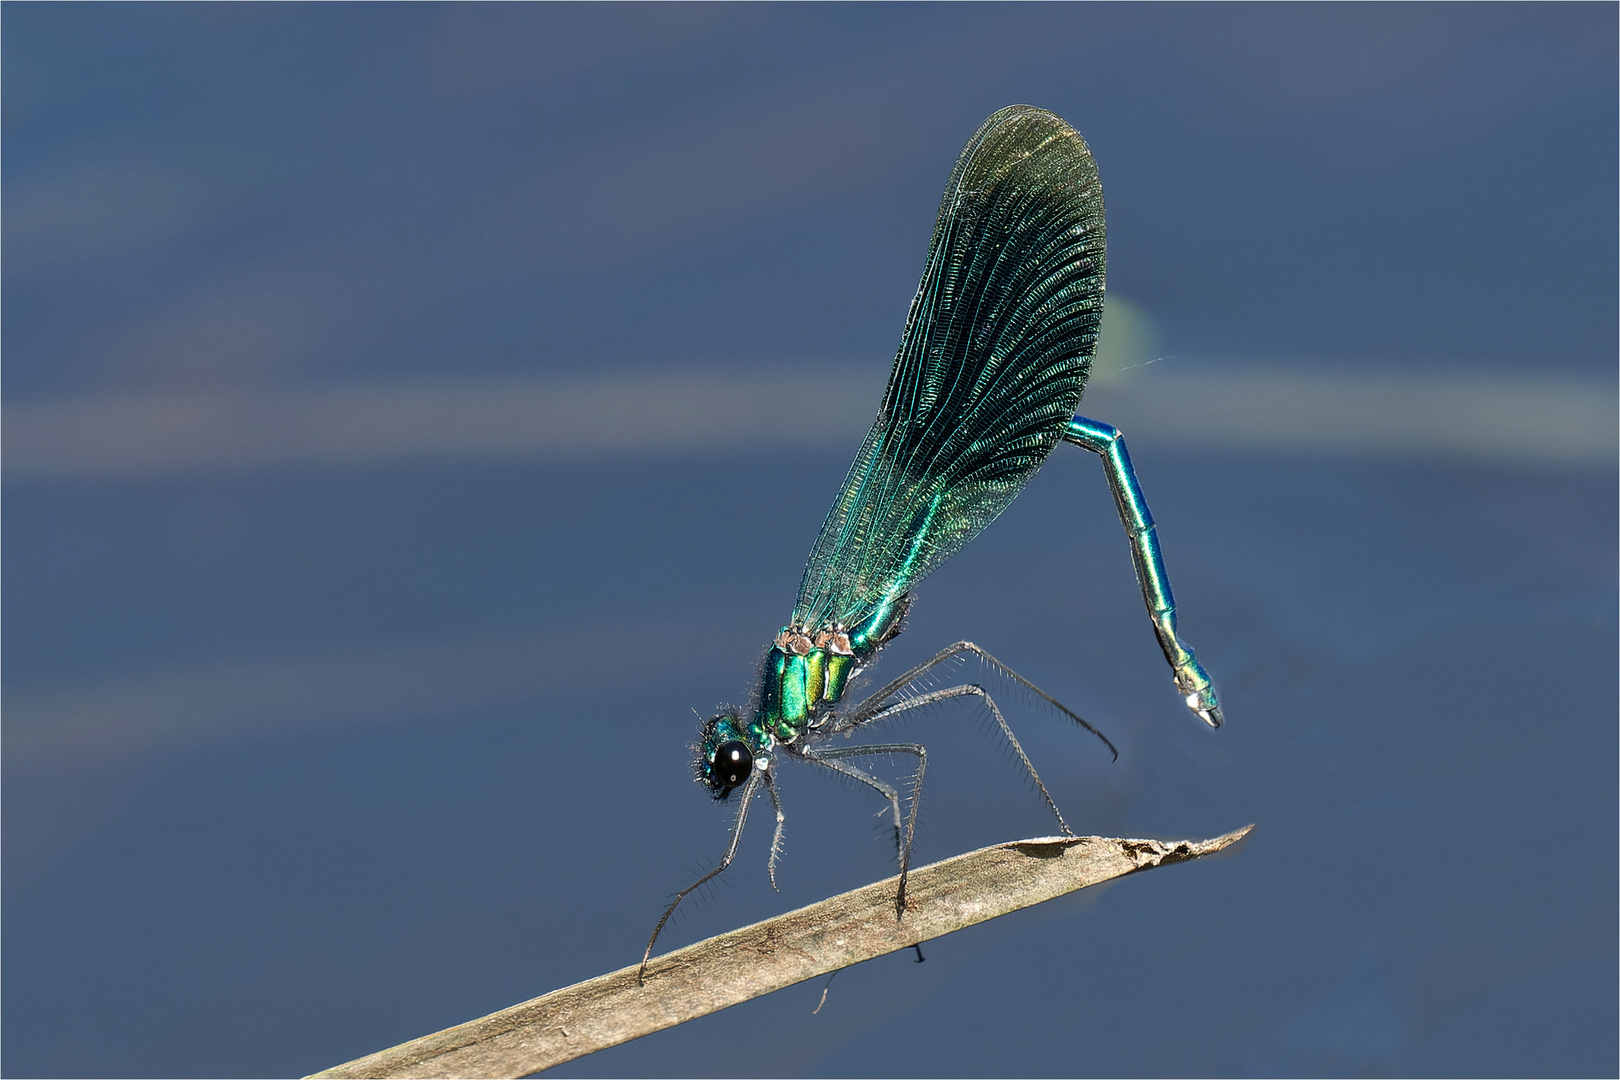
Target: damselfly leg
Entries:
(749, 789)
(830, 761)
(866, 712)
(781, 823)
(889, 702)
(829, 757)
(883, 788)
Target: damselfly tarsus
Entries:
(994, 358)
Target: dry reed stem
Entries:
(733, 967)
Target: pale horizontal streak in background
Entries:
(1550, 421)
(280, 694)
(1489, 418)
(1558, 419)
(638, 415)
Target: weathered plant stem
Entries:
(755, 960)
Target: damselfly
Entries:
(991, 367)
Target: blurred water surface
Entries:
(413, 413)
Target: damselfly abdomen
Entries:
(991, 367)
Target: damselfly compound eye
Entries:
(733, 761)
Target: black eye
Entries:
(733, 761)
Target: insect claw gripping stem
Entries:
(1191, 680)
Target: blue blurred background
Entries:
(413, 414)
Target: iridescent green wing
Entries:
(990, 370)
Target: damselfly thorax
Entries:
(803, 677)
(807, 671)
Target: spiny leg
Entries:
(887, 791)
(880, 701)
(827, 756)
(844, 768)
(977, 691)
(776, 837)
(1191, 679)
(748, 792)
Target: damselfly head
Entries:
(724, 756)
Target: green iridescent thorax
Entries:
(805, 673)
